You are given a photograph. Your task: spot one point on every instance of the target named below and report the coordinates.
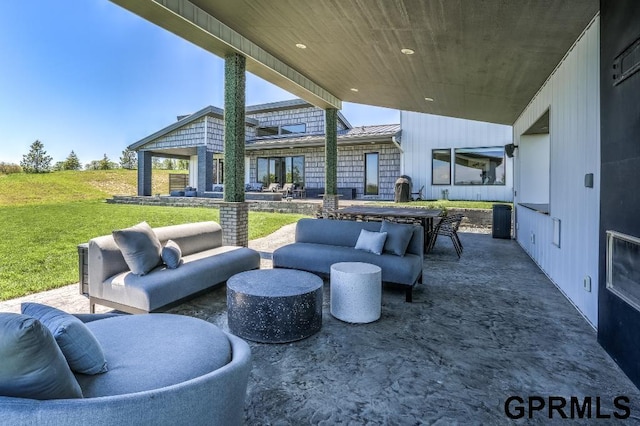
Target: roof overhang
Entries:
(480, 60)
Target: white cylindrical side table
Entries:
(356, 291)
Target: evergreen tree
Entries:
(105, 163)
(129, 159)
(37, 160)
(168, 164)
(72, 162)
(183, 164)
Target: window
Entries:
(293, 128)
(371, 173)
(287, 129)
(218, 171)
(267, 131)
(479, 166)
(281, 170)
(441, 167)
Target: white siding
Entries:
(421, 133)
(572, 96)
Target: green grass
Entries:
(42, 228)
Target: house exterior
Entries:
(465, 159)
(285, 144)
(456, 159)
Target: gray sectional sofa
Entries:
(163, 369)
(319, 243)
(205, 263)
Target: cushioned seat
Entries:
(162, 369)
(319, 243)
(184, 355)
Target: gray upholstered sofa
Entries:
(319, 243)
(206, 263)
(163, 369)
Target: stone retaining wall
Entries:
(474, 218)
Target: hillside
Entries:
(60, 187)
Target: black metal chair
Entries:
(448, 227)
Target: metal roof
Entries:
(356, 135)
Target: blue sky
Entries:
(89, 76)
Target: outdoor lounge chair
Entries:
(287, 190)
(274, 187)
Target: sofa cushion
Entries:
(153, 351)
(318, 258)
(32, 364)
(171, 254)
(78, 345)
(163, 286)
(372, 242)
(398, 237)
(140, 247)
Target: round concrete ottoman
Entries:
(274, 305)
(356, 291)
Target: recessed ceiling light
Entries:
(353, 89)
(301, 46)
(408, 51)
(428, 99)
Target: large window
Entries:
(441, 167)
(281, 170)
(286, 129)
(371, 173)
(479, 166)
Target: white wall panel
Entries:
(421, 133)
(572, 96)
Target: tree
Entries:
(72, 162)
(168, 164)
(129, 159)
(183, 164)
(37, 160)
(105, 163)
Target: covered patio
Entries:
(474, 336)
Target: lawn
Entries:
(41, 230)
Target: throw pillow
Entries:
(371, 241)
(398, 237)
(140, 247)
(171, 254)
(78, 345)
(32, 364)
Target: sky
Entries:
(89, 76)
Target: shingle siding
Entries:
(350, 166)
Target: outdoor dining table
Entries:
(422, 216)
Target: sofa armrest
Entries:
(105, 260)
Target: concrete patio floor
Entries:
(480, 330)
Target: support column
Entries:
(330, 199)
(144, 173)
(234, 213)
(205, 169)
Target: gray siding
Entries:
(189, 135)
(311, 116)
